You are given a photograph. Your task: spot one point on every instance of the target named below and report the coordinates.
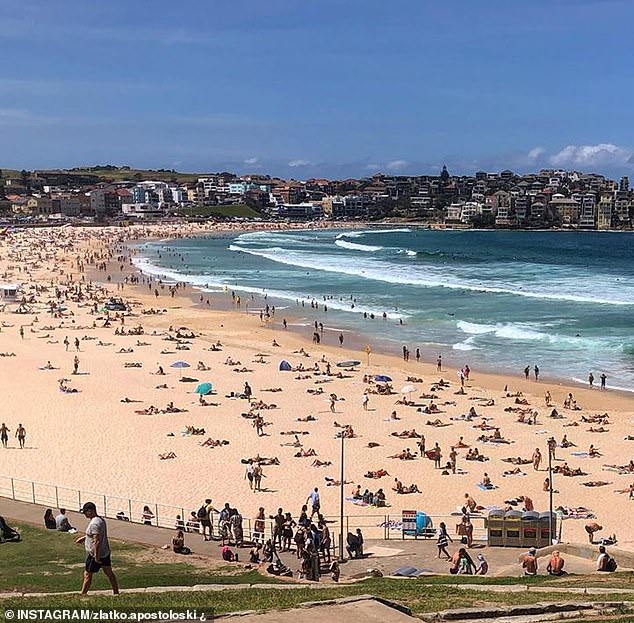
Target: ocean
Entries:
(495, 300)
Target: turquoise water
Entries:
(496, 300)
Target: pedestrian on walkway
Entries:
(97, 549)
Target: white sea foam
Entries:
(353, 246)
(465, 345)
(213, 283)
(358, 234)
(427, 276)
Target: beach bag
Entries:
(202, 512)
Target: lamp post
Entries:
(341, 557)
(550, 494)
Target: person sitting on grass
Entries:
(61, 522)
(556, 564)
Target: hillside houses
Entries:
(548, 198)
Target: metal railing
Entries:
(374, 526)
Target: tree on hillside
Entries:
(444, 175)
(25, 179)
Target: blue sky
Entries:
(318, 87)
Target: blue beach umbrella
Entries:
(203, 389)
(381, 378)
(180, 365)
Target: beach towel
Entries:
(584, 455)
(357, 502)
(483, 488)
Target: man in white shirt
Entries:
(97, 549)
(62, 523)
(313, 498)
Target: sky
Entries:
(333, 88)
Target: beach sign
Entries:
(408, 521)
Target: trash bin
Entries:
(530, 529)
(544, 536)
(512, 528)
(495, 528)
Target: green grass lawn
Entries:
(49, 561)
(420, 597)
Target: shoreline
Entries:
(358, 338)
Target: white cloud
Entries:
(592, 155)
(396, 165)
(299, 163)
(535, 153)
(251, 161)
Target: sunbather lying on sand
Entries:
(166, 456)
(405, 455)
(407, 434)
(399, 488)
(437, 423)
(192, 430)
(513, 472)
(304, 453)
(214, 443)
(318, 463)
(517, 460)
(379, 473)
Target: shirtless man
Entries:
(4, 435)
(470, 503)
(20, 433)
(537, 459)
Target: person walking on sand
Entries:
(603, 378)
(77, 344)
(258, 474)
(333, 400)
(439, 364)
(537, 459)
(97, 549)
(536, 371)
(315, 502)
(249, 473)
(75, 364)
(341, 339)
(437, 456)
(4, 435)
(591, 380)
(527, 371)
(365, 400)
(20, 433)
(66, 343)
(453, 455)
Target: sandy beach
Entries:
(107, 436)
